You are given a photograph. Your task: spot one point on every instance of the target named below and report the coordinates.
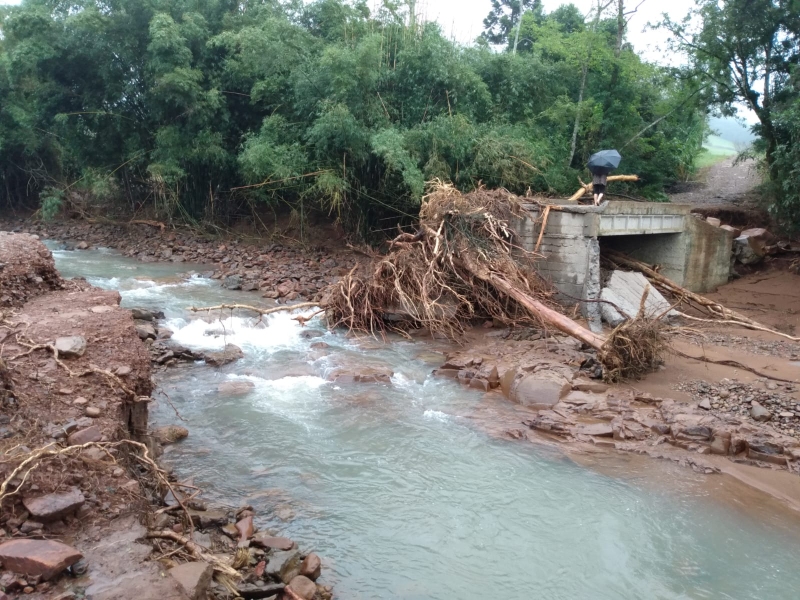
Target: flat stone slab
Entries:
(54, 506)
(194, 578)
(597, 430)
(625, 291)
(44, 558)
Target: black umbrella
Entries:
(604, 161)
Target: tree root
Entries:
(196, 550)
(735, 365)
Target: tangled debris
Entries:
(463, 263)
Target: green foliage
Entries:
(196, 110)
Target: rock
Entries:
(145, 314)
(230, 530)
(705, 404)
(53, 507)
(234, 282)
(123, 371)
(42, 558)
(245, 528)
(80, 401)
(713, 221)
(540, 391)
(786, 415)
(748, 251)
(272, 543)
(145, 331)
(31, 526)
(597, 429)
(223, 357)
(92, 412)
(625, 290)
(84, 436)
(303, 587)
(311, 567)
(194, 578)
(207, 518)
(235, 388)
(169, 434)
(759, 413)
(695, 433)
(733, 230)
(361, 375)
(588, 385)
(82, 246)
(721, 443)
(255, 592)
(283, 566)
(73, 346)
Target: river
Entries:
(405, 497)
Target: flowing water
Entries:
(405, 497)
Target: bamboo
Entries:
(587, 187)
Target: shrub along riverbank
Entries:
(204, 111)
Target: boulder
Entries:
(53, 507)
(541, 390)
(72, 346)
(269, 542)
(82, 246)
(234, 282)
(303, 587)
(84, 436)
(713, 221)
(92, 412)
(169, 434)
(361, 375)
(721, 443)
(207, 518)
(235, 388)
(283, 566)
(145, 314)
(733, 230)
(194, 578)
(748, 250)
(245, 528)
(705, 404)
(311, 567)
(38, 558)
(625, 290)
(759, 413)
(589, 385)
(145, 331)
(223, 357)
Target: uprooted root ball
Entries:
(633, 349)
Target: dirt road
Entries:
(724, 184)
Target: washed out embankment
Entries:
(79, 461)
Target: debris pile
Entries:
(464, 263)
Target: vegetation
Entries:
(746, 53)
(207, 110)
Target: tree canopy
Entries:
(204, 110)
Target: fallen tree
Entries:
(464, 262)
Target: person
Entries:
(599, 180)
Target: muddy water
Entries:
(406, 498)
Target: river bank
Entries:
(289, 374)
(78, 463)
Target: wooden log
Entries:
(261, 311)
(723, 314)
(544, 313)
(587, 188)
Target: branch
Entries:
(261, 311)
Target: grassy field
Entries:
(715, 151)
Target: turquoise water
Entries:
(403, 492)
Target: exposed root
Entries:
(196, 551)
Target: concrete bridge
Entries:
(691, 252)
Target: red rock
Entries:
(303, 587)
(274, 543)
(194, 578)
(245, 528)
(258, 572)
(45, 558)
(311, 567)
(54, 506)
(84, 436)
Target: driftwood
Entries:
(261, 311)
(721, 313)
(588, 186)
(196, 550)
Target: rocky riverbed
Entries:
(279, 271)
(86, 511)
